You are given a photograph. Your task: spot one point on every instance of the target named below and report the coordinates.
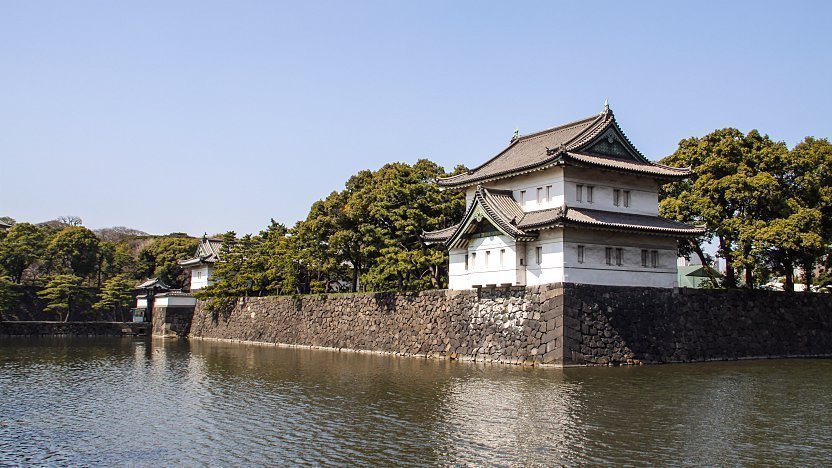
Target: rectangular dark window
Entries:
(608, 255)
(540, 195)
(548, 193)
(619, 256)
(502, 257)
(644, 258)
(522, 197)
(626, 199)
(580, 254)
(466, 262)
(474, 261)
(579, 192)
(616, 196)
(487, 256)
(539, 254)
(654, 258)
(589, 190)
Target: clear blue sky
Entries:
(210, 116)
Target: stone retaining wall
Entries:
(620, 325)
(517, 325)
(550, 324)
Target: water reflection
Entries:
(123, 401)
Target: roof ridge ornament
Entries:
(516, 135)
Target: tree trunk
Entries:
(730, 278)
(749, 270)
(355, 275)
(789, 285)
(699, 253)
(808, 273)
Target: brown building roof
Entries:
(595, 141)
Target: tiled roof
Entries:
(627, 165)
(536, 219)
(4, 225)
(627, 221)
(207, 252)
(553, 147)
(502, 208)
(153, 283)
(509, 217)
(435, 237)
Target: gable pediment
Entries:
(612, 143)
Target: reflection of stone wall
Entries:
(71, 328)
(549, 324)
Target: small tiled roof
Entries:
(4, 225)
(630, 222)
(436, 237)
(625, 165)
(153, 283)
(502, 208)
(563, 145)
(541, 218)
(208, 251)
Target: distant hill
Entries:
(118, 233)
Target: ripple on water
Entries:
(121, 401)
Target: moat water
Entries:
(89, 401)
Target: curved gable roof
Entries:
(577, 141)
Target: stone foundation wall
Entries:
(613, 325)
(551, 324)
(516, 325)
(171, 321)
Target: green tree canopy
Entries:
(22, 246)
(61, 293)
(766, 206)
(116, 295)
(8, 295)
(160, 259)
(75, 249)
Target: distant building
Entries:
(575, 203)
(4, 225)
(201, 266)
(696, 276)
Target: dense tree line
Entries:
(364, 238)
(69, 261)
(768, 208)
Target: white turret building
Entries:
(577, 203)
(201, 266)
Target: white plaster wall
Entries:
(457, 274)
(530, 183)
(172, 301)
(141, 302)
(201, 277)
(594, 269)
(644, 191)
(550, 269)
(478, 273)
